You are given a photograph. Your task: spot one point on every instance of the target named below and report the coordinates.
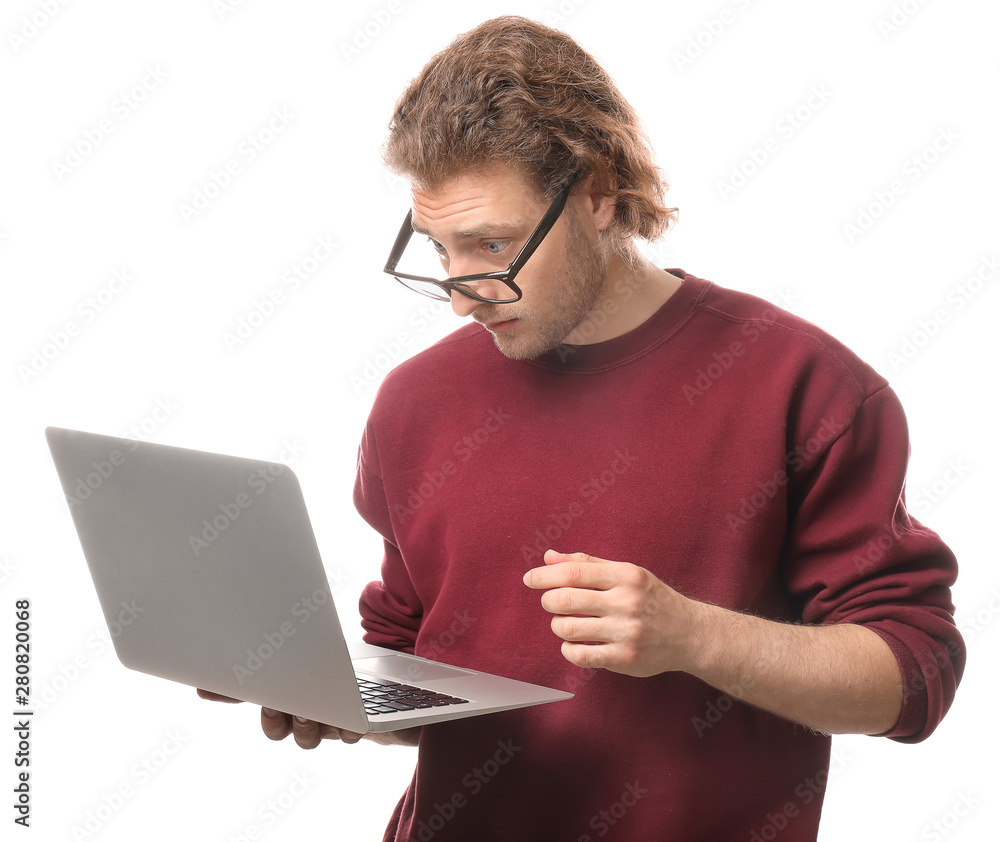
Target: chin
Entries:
(513, 350)
(519, 349)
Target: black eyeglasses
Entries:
(466, 284)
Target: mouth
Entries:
(500, 326)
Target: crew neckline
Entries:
(619, 350)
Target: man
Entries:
(673, 500)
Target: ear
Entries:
(600, 189)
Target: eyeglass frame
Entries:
(505, 276)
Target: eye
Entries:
(496, 247)
(440, 249)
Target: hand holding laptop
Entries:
(309, 733)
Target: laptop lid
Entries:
(210, 593)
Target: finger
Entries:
(585, 601)
(306, 732)
(217, 697)
(573, 573)
(581, 629)
(275, 724)
(556, 557)
(588, 657)
(349, 737)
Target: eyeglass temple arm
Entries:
(402, 238)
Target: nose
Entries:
(462, 305)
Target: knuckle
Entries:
(562, 601)
(637, 608)
(562, 627)
(634, 629)
(575, 654)
(306, 731)
(634, 576)
(275, 728)
(588, 657)
(630, 654)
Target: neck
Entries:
(631, 294)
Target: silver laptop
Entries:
(208, 574)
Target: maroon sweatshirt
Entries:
(738, 452)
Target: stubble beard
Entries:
(575, 292)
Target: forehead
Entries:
(498, 195)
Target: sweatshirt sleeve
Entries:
(390, 609)
(855, 555)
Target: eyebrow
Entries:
(485, 230)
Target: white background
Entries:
(892, 79)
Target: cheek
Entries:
(543, 281)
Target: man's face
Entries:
(479, 222)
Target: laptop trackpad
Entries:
(406, 668)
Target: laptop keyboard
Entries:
(392, 697)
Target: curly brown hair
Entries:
(515, 92)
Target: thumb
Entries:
(554, 557)
(217, 697)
